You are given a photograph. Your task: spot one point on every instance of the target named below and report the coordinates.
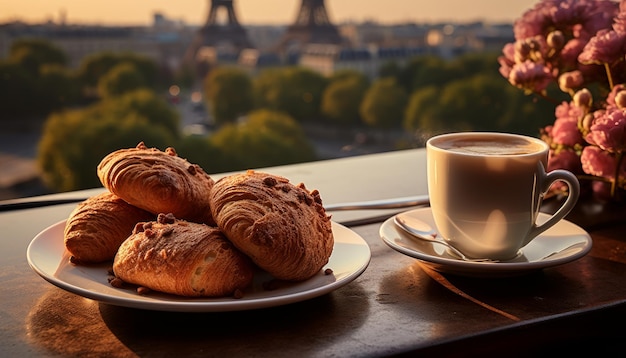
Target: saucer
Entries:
(560, 244)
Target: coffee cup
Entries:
(486, 190)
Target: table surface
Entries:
(396, 306)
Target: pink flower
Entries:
(564, 15)
(577, 20)
(569, 53)
(608, 130)
(620, 19)
(598, 162)
(565, 159)
(530, 76)
(508, 60)
(580, 45)
(606, 47)
(565, 129)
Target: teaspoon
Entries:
(431, 236)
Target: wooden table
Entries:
(397, 306)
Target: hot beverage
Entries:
(486, 190)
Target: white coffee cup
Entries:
(486, 190)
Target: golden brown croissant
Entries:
(159, 182)
(282, 227)
(182, 258)
(97, 226)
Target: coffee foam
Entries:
(490, 146)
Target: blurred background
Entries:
(239, 84)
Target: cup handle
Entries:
(572, 197)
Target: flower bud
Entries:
(583, 99)
(585, 124)
(570, 81)
(620, 99)
(522, 51)
(556, 40)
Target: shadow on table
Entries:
(67, 324)
(539, 314)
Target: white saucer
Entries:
(562, 243)
(47, 256)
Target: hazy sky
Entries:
(140, 12)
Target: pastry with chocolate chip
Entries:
(159, 182)
(282, 227)
(182, 258)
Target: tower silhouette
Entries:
(312, 25)
(214, 33)
(223, 35)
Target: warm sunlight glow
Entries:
(260, 12)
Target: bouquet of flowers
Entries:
(577, 50)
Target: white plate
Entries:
(47, 256)
(562, 243)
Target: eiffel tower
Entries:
(312, 25)
(227, 38)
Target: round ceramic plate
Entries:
(47, 256)
(562, 243)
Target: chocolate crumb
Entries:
(171, 151)
(270, 181)
(166, 218)
(142, 290)
(74, 260)
(139, 227)
(328, 271)
(238, 294)
(116, 282)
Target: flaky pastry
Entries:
(282, 227)
(182, 258)
(97, 226)
(159, 182)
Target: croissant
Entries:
(97, 226)
(283, 228)
(182, 258)
(159, 182)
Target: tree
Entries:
(146, 104)
(342, 97)
(483, 102)
(121, 79)
(75, 141)
(202, 151)
(57, 88)
(94, 67)
(421, 112)
(384, 104)
(16, 91)
(32, 54)
(294, 90)
(229, 93)
(35, 80)
(265, 138)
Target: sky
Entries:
(194, 12)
